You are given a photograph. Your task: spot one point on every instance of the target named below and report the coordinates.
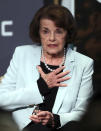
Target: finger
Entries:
(41, 118)
(63, 79)
(63, 74)
(35, 112)
(34, 118)
(44, 122)
(44, 118)
(42, 114)
(61, 85)
(40, 71)
(58, 70)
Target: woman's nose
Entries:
(52, 37)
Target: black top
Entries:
(49, 94)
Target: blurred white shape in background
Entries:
(70, 4)
(99, 1)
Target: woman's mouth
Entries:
(52, 45)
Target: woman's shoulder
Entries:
(81, 58)
(28, 48)
(26, 51)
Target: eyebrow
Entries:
(45, 28)
(48, 28)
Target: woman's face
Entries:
(52, 38)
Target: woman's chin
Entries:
(53, 53)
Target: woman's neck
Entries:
(54, 59)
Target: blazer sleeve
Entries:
(12, 97)
(85, 92)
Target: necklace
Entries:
(44, 61)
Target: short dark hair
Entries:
(62, 18)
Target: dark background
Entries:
(88, 17)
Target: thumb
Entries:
(40, 70)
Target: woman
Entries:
(64, 85)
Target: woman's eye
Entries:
(45, 31)
(59, 32)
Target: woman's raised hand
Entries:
(54, 78)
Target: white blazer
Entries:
(19, 88)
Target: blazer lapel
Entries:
(35, 61)
(69, 63)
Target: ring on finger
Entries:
(48, 81)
